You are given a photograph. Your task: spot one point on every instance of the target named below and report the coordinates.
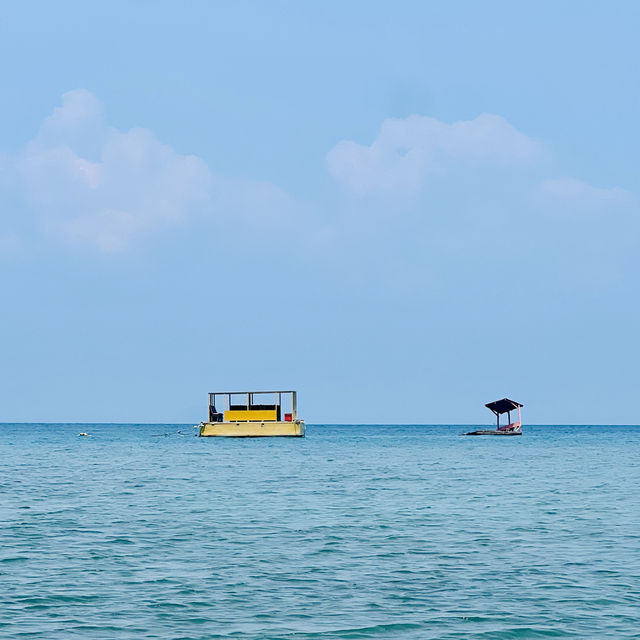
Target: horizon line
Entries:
(336, 424)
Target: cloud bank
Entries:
(93, 184)
(86, 183)
(407, 151)
(89, 184)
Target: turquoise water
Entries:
(351, 532)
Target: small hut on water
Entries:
(500, 407)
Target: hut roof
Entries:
(502, 406)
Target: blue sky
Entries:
(404, 210)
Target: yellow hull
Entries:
(253, 429)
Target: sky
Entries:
(403, 210)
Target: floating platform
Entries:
(244, 414)
(492, 432)
(291, 429)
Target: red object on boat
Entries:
(288, 417)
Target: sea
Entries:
(355, 531)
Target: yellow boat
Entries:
(241, 416)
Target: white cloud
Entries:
(570, 191)
(407, 150)
(93, 184)
(78, 123)
(90, 184)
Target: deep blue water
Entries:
(351, 532)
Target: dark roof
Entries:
(504, 405)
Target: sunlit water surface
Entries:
(352, 532)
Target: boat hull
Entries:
(492, 432)
(291, 429)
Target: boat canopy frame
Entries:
(251, 405)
